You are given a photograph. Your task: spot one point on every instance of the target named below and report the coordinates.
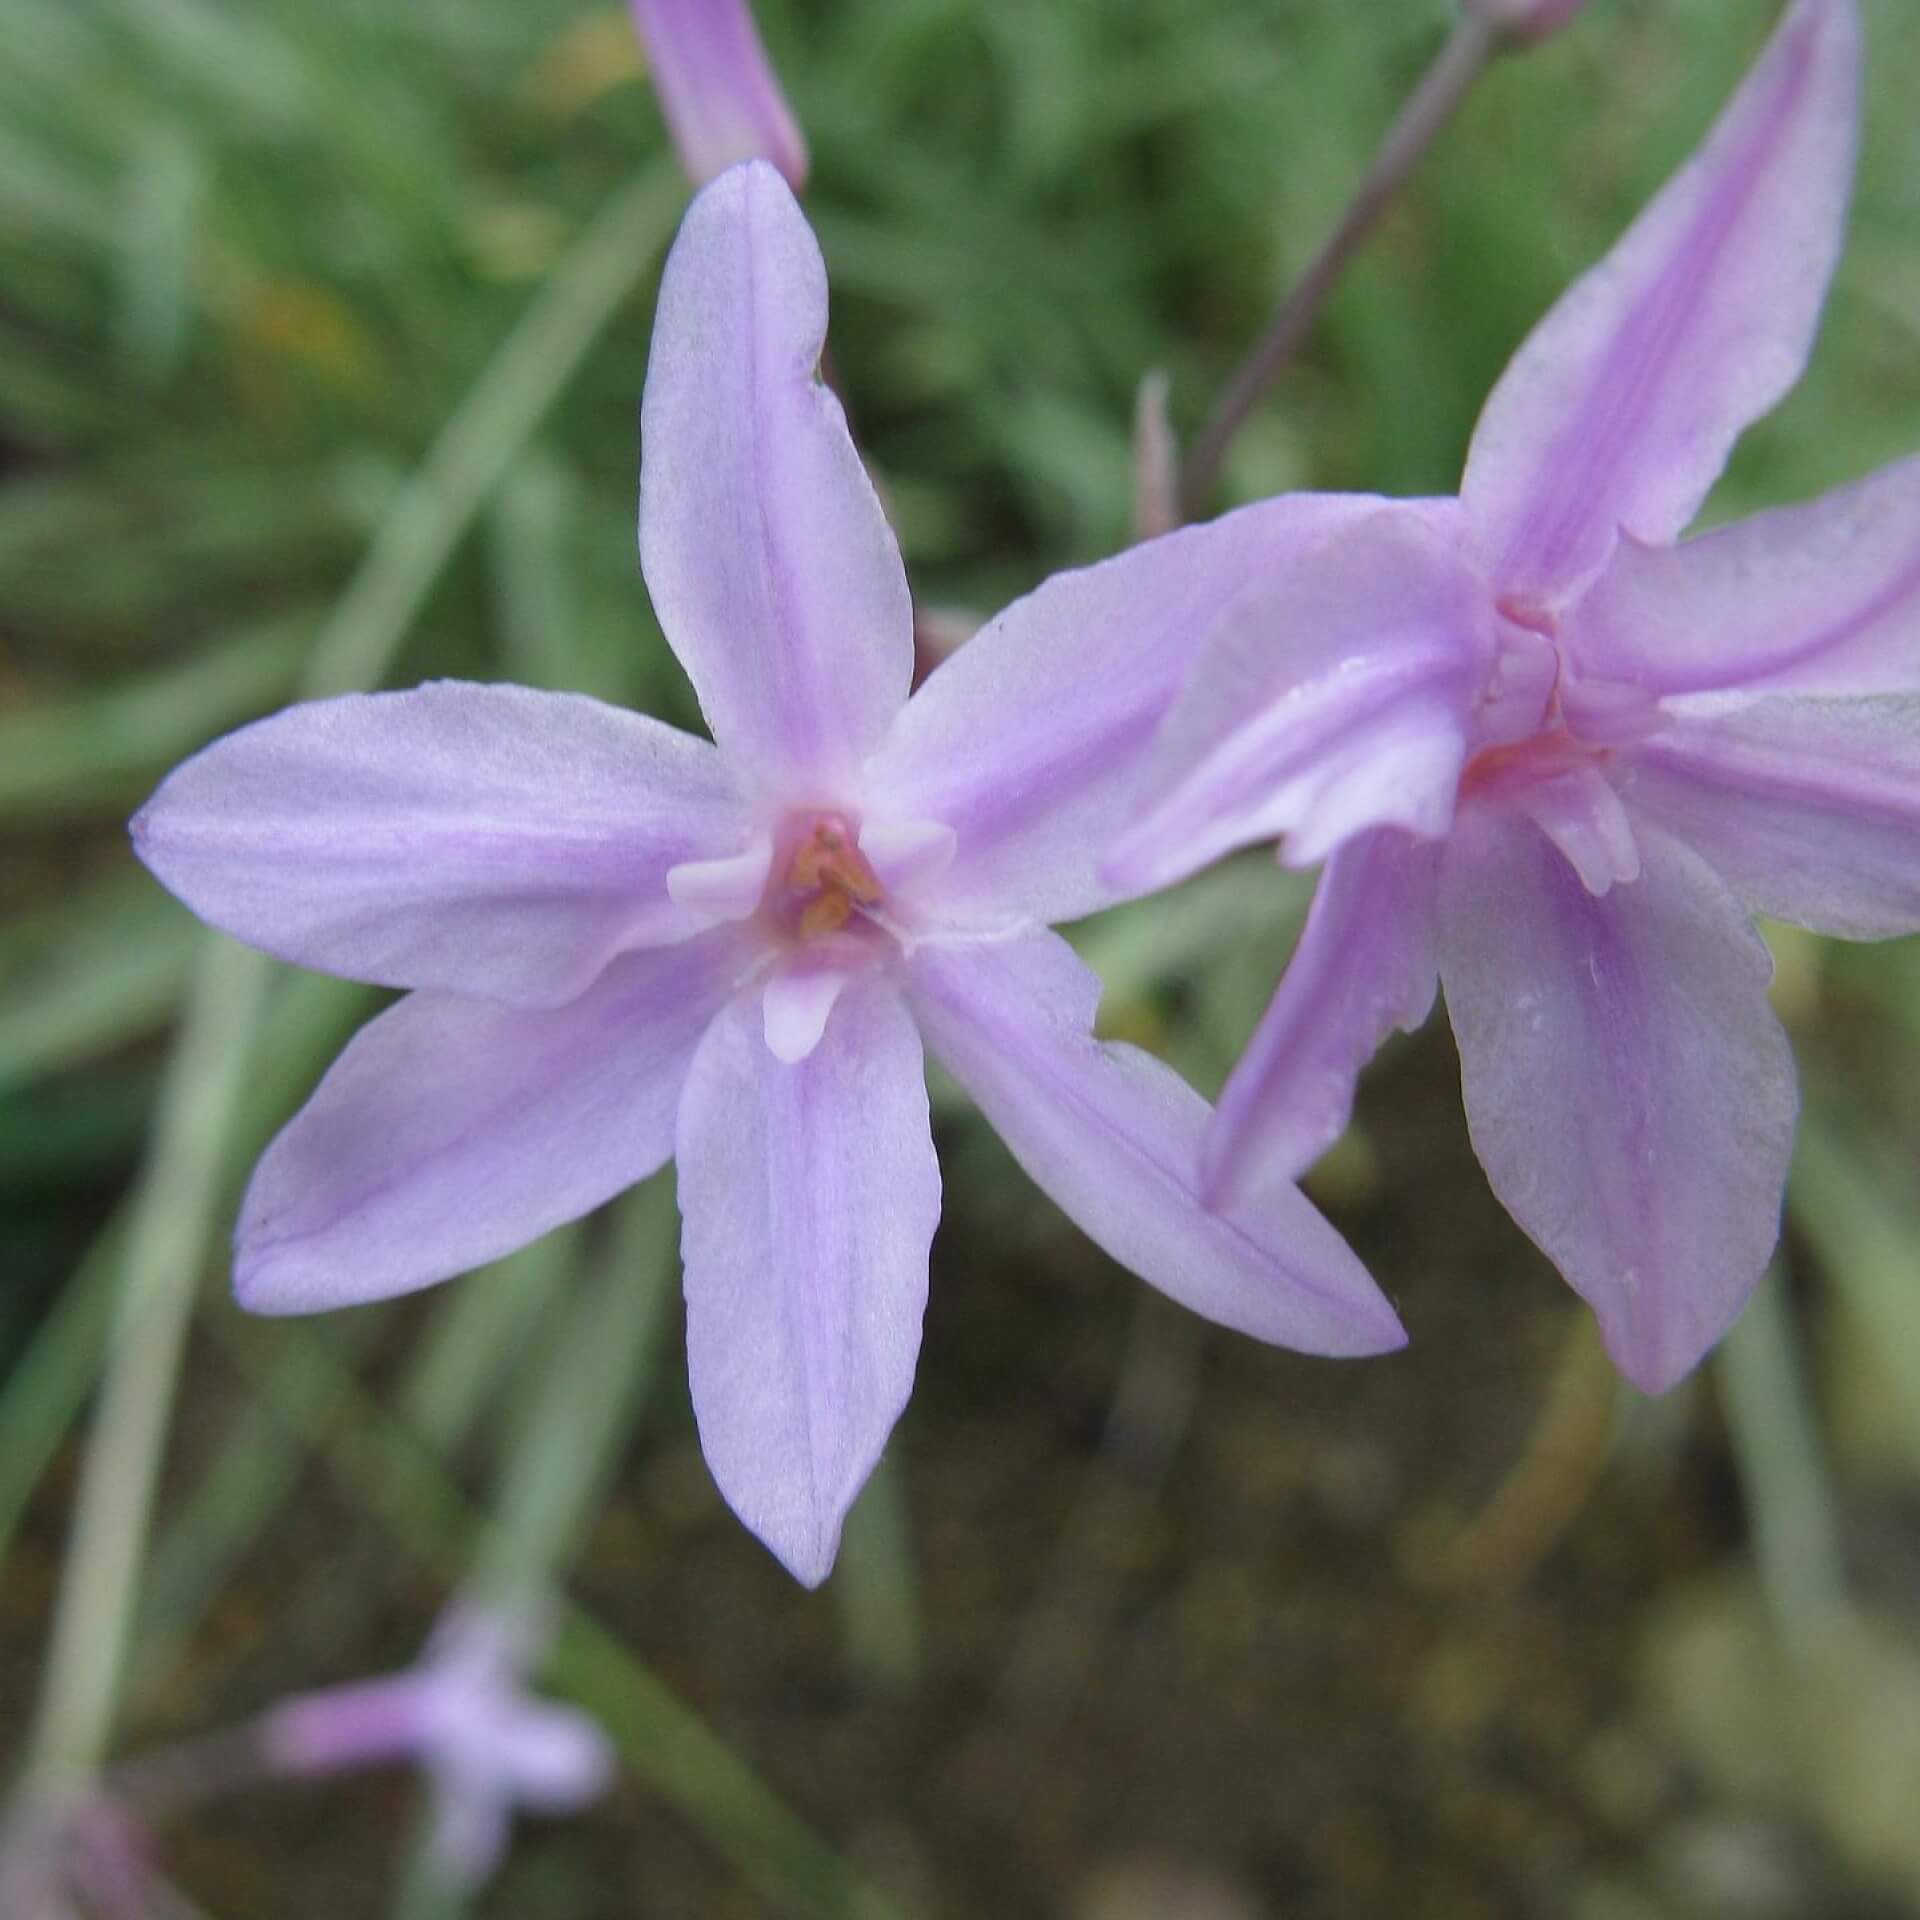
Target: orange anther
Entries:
(826, 912)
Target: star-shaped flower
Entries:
(1553, 758)
(463, 1717)
(628, 944)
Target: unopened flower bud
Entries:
(717, 88)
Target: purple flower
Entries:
(717, 88)
(484, 1745)
(630, 945)
(1554, 759)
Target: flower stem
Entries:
(1429, 108)
(167, 1240)
(173, 1217)
(1776, 1451)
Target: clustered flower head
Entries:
(1551, 755)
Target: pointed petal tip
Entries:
(809, 1560)
(263, 1285)
(1650, 1366)
(1390, 1334)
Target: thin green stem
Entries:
(1430, 107)
(1790, 1503)
(167, 1237)
(173, 1219)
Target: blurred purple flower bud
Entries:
(717, 88)
(462, 1717)
(1526, 20)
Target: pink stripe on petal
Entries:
(1809, 809)
(1621, 407)
(717, 88)
(1822, 598)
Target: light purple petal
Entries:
(452, 1131)
(553, 1759)
(809, 1196)
(771, 564)
(794, 1006)
(1821, 598)
(1629, 1090)
(1331, 698)
(339, 1729)
(487, 840)
(1621, 408)
(1113, 1136)
(1029, 742)
(1810, 809)
(717, 88)
(1581, 812)
(1365, 965)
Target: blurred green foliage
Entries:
(321, 343)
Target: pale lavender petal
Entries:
(1628, 1088)
(1820, 598)
(729, 887)
(1331, 698)
(1113, 1136)
(483, 839)
(1810, 809)
(339, 1729)
(717, 88)
(907, 855)
(1365, 965)
(552, 1758)
(808, 1196)
(794, 1007)
(1621, 408)
(452, 1131)
(1582, 813)
(771, 564)
(1030, 741)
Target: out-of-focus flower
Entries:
(1556, 758)
(717, 88)
(631, 944)
(1526, 20)
(462, 1716)
(72, 1858)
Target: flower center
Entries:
(820, 880)
(1540, 756)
